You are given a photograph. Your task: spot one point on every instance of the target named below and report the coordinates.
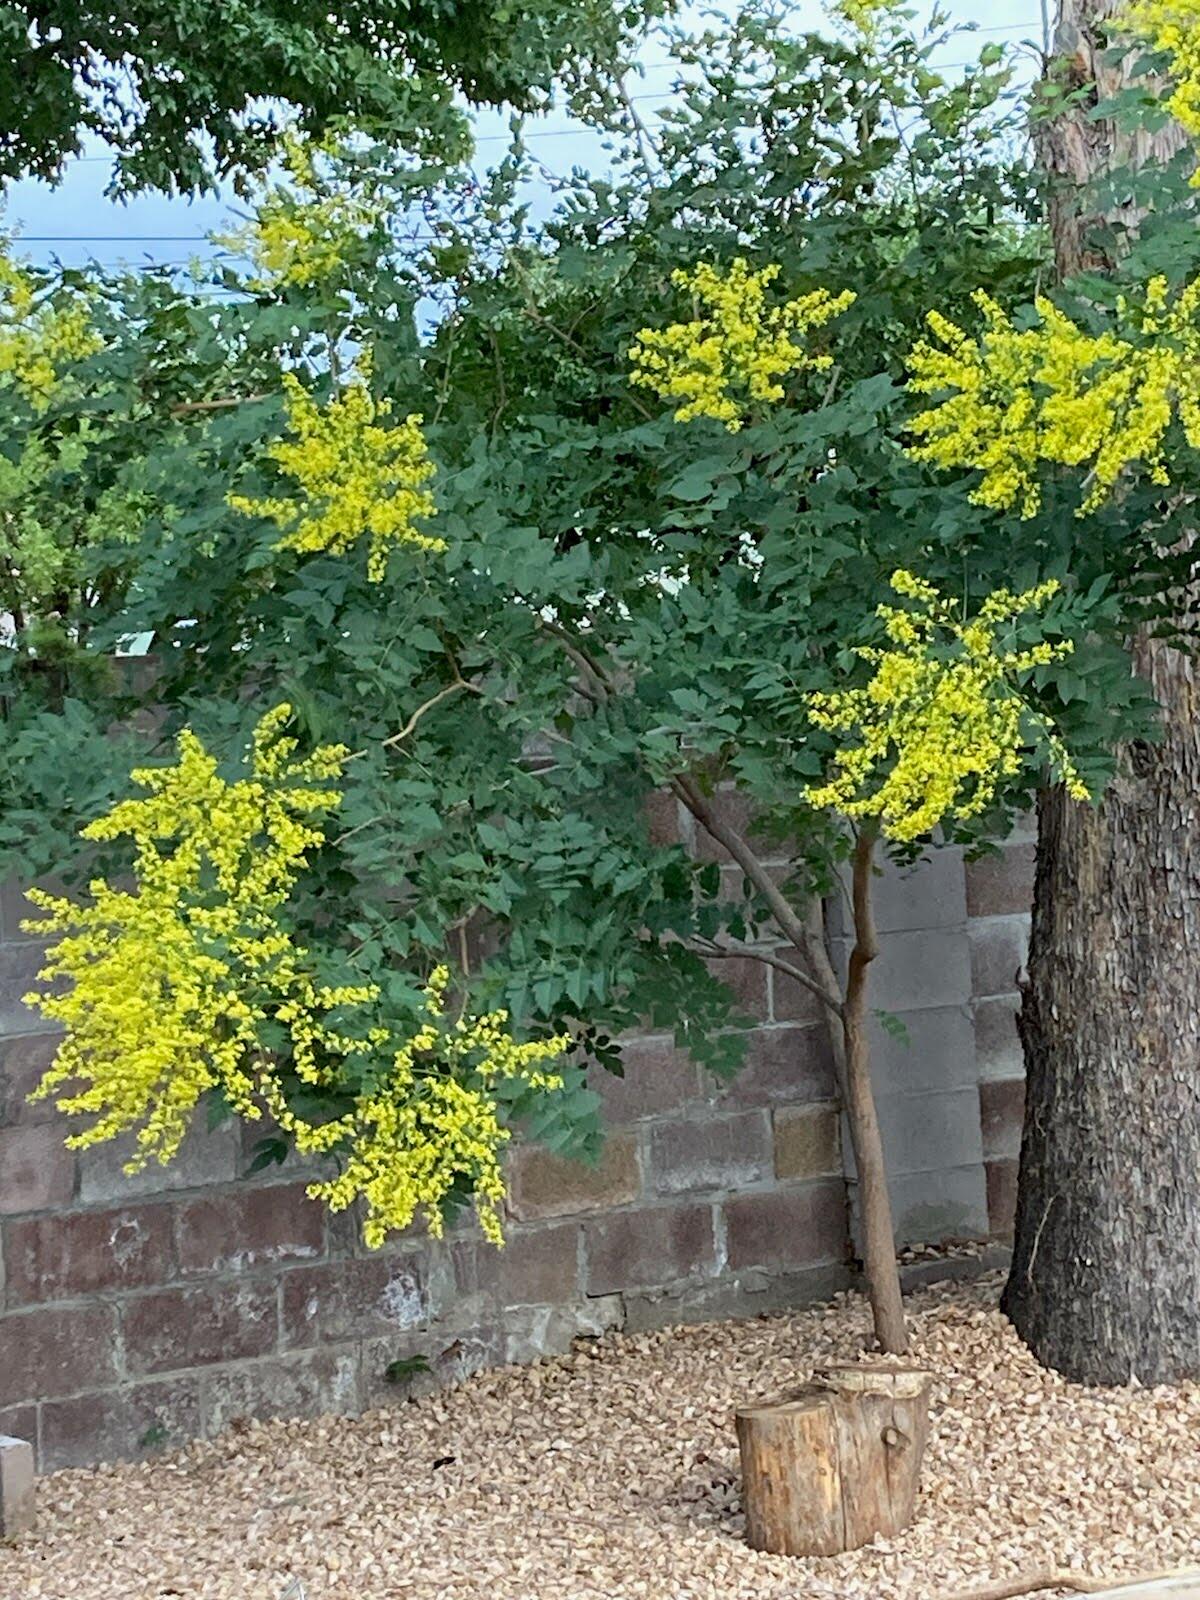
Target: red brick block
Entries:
(36, 1170)
(56, 1350)
(196, 1327)
(23, 1062)
(658, 1078)
(1001, 1117)
(121, 1424)
(71, 1253)
(539, 1266)
(305, 1384)
(661, 812)
(1001, 1196)
(747, 979)
(785, 1229)
(710, 1152)
(790, 1000)
(544, 1185)
(1001, 885)
(783, 1064)
(648, 1248)
(343, 1300)
(250, 1226)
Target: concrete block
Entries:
(659, 1078)
(807, 1142)
(710, 1152)
(998, 947)
(1002, 1178)
(1001, 884)
(998, 1052)
(338, 1301)
(173, 1329)
(544, 1185)
(1002, 1117)
(915, 971)
(648, 1247)
(299, 1385)
(784, 1230)
(19, 966)
(539, 1266)
(781, 1065)
(926, 1132)
(123, 1424)
(752, 1293)
(65, 1254)
(930, 894)
(931, 1207)
(23, 1062)
(935, 1051)
(204, 1158)
(55, 1350)
(37, 1171)
(252, 1225)
(18, 1493)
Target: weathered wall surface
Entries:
(137, 1312)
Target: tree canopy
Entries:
(186, 94)
(221, 498)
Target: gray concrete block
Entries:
(18, 1512)
(936, 1051)
(929, 1207)
(915, 971)
(998, 1052)
(203, 1158)
(927, 1133)
(998, 948)
(931, 894)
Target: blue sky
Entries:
(74, 222)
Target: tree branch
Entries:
(190, 406)
(434, 700)
(706, 947)
(793, 927)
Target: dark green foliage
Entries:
(711, 579)
(190, 91)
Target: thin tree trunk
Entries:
(875, 1206)
(1105, 1281)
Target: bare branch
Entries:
(189, 407)
(706, 947)
(442, 694)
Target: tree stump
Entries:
(826, 1469)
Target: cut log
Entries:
(829, 1467)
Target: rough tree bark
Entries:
(1105, 1282)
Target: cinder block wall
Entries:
(138, 1312)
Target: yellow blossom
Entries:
(1021, 398)
(170, 982)
(189, 982)
(1173, 28)
(736, 348)
(40, 336)
(942, 722)
(306, 228)
(357, 476)
(431, 1129)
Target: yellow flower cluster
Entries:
(736, 348)
(170, 982)
(39, 339)
(431, 1128)
(172, 986)
(1055, 394)
(305, 229)
(357, 476)
(939, 726)
(1173, 26)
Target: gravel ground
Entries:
(611, 1474)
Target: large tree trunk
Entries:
(1105, 1282)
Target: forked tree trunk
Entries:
(1105, 1281)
